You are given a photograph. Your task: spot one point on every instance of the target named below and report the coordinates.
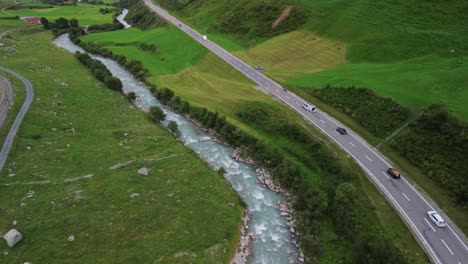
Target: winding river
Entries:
(273, 241)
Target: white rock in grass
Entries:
(134, 195)
(12, 237)
(143, 171)
(71, 238)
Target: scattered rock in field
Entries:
(11, 175)
(15, 222)
(143, 171)
(28, 147)
(22, 204)
(12, 237)
(30, 194)
(68, 145)
(134, 195)
(5, 252)
(231, 204)
(71, 238)
(54, 129)
(125, 134)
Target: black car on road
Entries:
(341, 130)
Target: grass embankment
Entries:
(213, 84)
(76, 127)
(87, 14)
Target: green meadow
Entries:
(86, 14)
(168, 58)
(85, 144)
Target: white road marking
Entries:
(386, 175)
(457, 237)
(406, 196)
(321, 120)
(429, 224)
(287, 96)
(447, 246)
(368, 158)
(351, 143)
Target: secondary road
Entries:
(19, 118)
(443, 245)
(6, 99)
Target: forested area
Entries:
(438, 144)
(379, 115)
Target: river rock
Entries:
(143, 171)
(12, 237)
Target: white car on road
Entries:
(436, 218)
(309, 107)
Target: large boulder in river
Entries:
(12, 237)
(143, 171)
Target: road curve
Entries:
(6, 99)
(19, 118)
(442, 245)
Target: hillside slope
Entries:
(402, 41)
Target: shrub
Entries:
(172, 126)
(157, 113)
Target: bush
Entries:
(157, 113)
(172, 126)
(131, 96)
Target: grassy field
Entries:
(212, 83)
(415, 83)
(77, 127)
(295, 54)
(400, 49)
(167, 57)
(86, 14)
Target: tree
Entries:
(113, 83)
(157, 113)
(172, 126)
(131, 96)
(74, 23)
(62, 23)
(45, 23)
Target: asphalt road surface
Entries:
(19, 118)
(443, 245)
(6, 99)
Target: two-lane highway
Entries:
(443, 245)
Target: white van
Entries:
(309, 107)
(204, 37)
